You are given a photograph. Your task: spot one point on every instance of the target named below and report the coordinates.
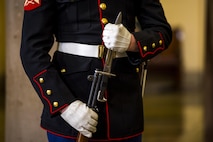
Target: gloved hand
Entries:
(81, 117)
(116, 37)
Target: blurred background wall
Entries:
(2, 41)
(2, 38)
(170, 116)
(2, 66)
(190, 17)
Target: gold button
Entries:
(137, 69)
(104, 21)
(145, 48)
(103, 6)
(63, 70)
(49, 92)
(55, 104)
(41, 80)
(153, 45)
(160, 42)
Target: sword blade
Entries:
(110, 55)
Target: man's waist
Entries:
(86, 50)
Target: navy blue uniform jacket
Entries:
(62, 79)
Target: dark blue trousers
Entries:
(54, 138)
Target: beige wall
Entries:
(2, 38)
(189, 15)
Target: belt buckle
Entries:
(101, 51)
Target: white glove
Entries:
(81, 117)
(116, 37)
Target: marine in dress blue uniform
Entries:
(63, 79)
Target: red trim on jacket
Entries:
(103, 62)
(151, 53)
(43, 95)
(100, 14)
(92, 140)
(108, 123)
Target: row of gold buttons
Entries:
(145, 48)
(103, 7)
(48, 92)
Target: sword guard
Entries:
(100, 97)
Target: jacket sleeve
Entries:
(155, 34)
(37, 40)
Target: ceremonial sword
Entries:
(100, 81)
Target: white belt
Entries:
(86, 50)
